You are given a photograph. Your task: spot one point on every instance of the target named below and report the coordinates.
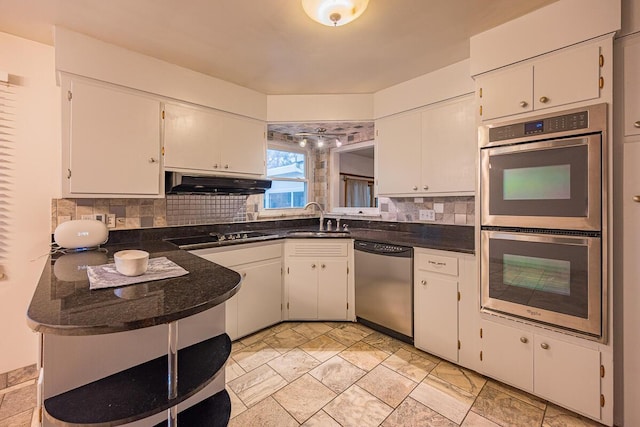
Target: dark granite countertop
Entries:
(63, 304)
(456, 238)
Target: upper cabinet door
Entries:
(242, 145)
(449, 146)
(632, 87)
(567, 77)
(191, 138)
(398, 154)
(506, 92)
(112, 142)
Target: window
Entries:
(287, 170)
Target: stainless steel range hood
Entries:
(180, 183)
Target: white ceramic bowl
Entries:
(131, 262)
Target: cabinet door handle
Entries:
(544, 346)
(322, 266)
(313, 266)
(423, 282)
(152, 160)
(637, 124)
(425, 188)
(226, 166)
(636, 199)
(524, 340)
(524, 104)
(415, 188)
(215, 166)
(544, 99)
(244, 274)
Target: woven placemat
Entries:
(106, 275)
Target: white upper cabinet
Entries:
(632, 86)
(570, 76)
(565, 77)
(428, 152)
(398, 145)
(449, 145)
(190, 138)
(111, 141)
(205, 140)
(243, 145)
(506, 92)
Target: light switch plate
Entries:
(427, 215)
(111, 220)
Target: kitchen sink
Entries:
(318, 233)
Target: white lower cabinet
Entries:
(559, 371)
(445, 303)
(318, 283)
(507, 355)
(258, 303)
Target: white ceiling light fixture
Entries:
(334, 13)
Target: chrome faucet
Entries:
(321, 213)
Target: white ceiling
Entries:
(271, 46)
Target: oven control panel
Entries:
(567, 122)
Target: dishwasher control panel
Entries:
(382, 248)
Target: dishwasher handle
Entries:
(385, 249)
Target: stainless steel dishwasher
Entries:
(384, 288)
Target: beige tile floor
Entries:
(345, 374)
(342, 374)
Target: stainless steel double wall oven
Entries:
(543, 198)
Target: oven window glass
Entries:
(540, 274)
(544, 182)
(549, 276)
(537, 183)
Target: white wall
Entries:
(318, 108)
(445, 83)
(356, 165)
(29, 167)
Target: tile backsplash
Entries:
(145, 213)
(448, 210)
(175, 210)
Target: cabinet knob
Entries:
(426, 187)
(152, 160)
(322, 266)
(244, 274)
(524, 340)
(544, 346)
(415, 188)
(636, 199)
(226, 166)
(524, 104)
(544, 99)
(423, 282)
(637, 124)
(313, 266)
(215, 166)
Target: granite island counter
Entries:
(111, 356)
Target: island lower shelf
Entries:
(141, 391)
